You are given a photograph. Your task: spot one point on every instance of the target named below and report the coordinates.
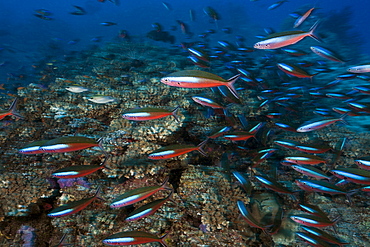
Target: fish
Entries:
(313, 148)
(69, 144)
(362, 89)
(44, 12)
(139, 194)
(287, 143)
(212, 14)
(272, 184)
(43, 17)
(293, 52)
(76, 89)
(326, 53)
(199, 79)
(192, 14)
(313, 240)
(359, 69)
(353, 175)
(322, 187)
(73, 207)
(133, 238)
(199, 53)
(302, 18)
(238, 136)
(305, 159)
(313, 220)
(108, 23)
(277, 4)
(360, 107)
(293, 70)
(149, 113)
(79, 11)
(311, 171)
(219, 132)
(99, 99)
(148, 209)
(176, 150)
(12, 111)
(282, 39)
(316, 125)
(115, 2)
(167, 6)
(312, 209)
(33, 147)
(248, 217)
(348, 76)
(73, 42)
(60, 244)
(324, 236)
(208, 102)
(246, 184)
(77, 171)
(363, 163)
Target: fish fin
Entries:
(97, 194)
(170, 197)
(256, 128)
(13, 109)
(100, 143)
(174, 114)
(162, 242)
(61, 240)
(230, 85)
(104, 161)
(350, 193)
(200, 147)
(334, 222)
(342, 118)
(164, 184)
(312, 34)
(294, 198)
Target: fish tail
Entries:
(311, 32)
(62, 239)
(164, 184)
(170, 197)
(162, 240)
(13, 109)
(350, 193)
(200, 147)
(97, 194)
(105, 161)
(342, 118)
(230, 85)
(100, 143)
(334, 222)
(174, 113)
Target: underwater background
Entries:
(276, 162)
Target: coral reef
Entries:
(204, 210)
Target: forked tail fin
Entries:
(312, 34)
(230, 85)
(13, 109)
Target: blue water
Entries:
(30, 39)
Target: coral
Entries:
(204, 211)
(27, 235)
(18, 190)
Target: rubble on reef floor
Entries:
(203, 210)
